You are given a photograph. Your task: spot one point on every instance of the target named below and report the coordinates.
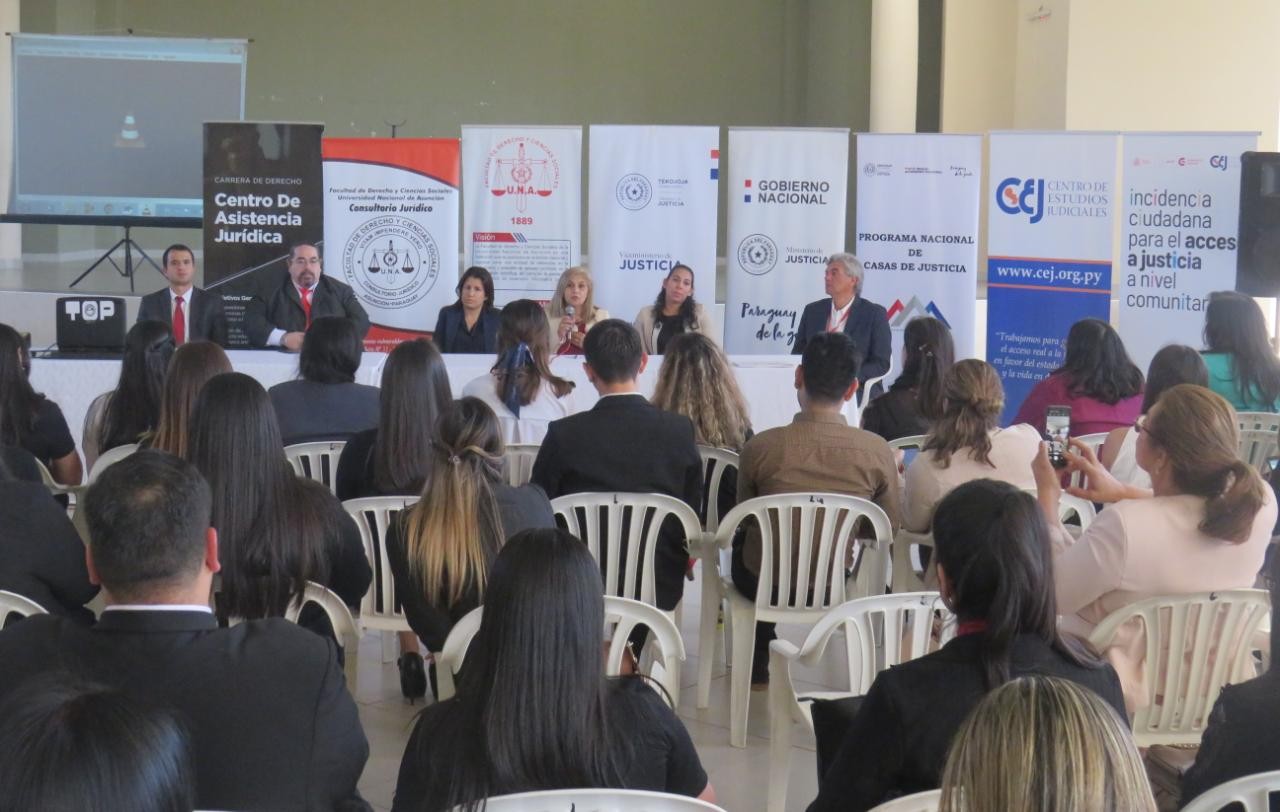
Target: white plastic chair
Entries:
(11, 603)
(1072, 506)
(1094, 442)
(379, 609)
(597, 800)
(799, 592)
(905, 577)
(344, 626)
(1259, 437)
(1252, 792)
(926, 801)
(108, 458)
(517, 463)
(598, 519)
(716, 462)
(903, 623)
(318, 461)
(854, 407)
(1195, 644)
(912, 442)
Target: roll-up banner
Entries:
(522, 206)
(1179, 212)
(262, 193)
(787, 196)
(918, 200)
(1049, 237)
(391, 229)
(652, 202)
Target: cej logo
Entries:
(1027, 200)
(1219, 162)
(900, 314)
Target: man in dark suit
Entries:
(306, 295)
(193, 313)
(846, 311)
(271, 723)
(625, 444)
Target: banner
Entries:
(918, 201)
(522, 206)
(262, 194)
(391, 230)
(1179, 215)
(787, 195)
(1049, 249)
(652, 203)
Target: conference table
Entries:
(767, 381)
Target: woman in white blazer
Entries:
(673, 312)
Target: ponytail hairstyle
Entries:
(524, 341)
(993, 545)
(455, 530)
(930, 353)
(1197, 429)
(972, 401)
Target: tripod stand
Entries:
(127, 271)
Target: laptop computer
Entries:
(91, 324)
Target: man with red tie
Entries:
(305, 295)
(193, 313)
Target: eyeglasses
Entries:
(1140, 426)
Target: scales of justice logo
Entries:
(522, 168)
(391, 261)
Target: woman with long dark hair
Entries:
(30, 420)
(193, 365)
(1097, 380)
(914, 400)
(1243, 367)
(534, 708)
(469, 325)
(276, 531)
(132, 409)
(673, 312)
(995, 570)
(326, 403)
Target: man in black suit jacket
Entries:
(203, 316)
(271, 723)
(867, 323)
(625, 444)
(284, 318)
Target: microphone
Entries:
(569, 311)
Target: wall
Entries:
(977, 79)
(10, 235)
(1040, 69)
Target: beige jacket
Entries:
(598, 314)
(645, 323)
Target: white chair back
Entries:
(912, 442)
(1195, 644)
(318, 461)
(109, 457)
(344, 626)
(905, 578)
(600, 519)
(517, 463)
(1094, 441)
(917, 802)
(1259, 437)
(11, 603)
(1073, 507)
(597, 800)
(379, 608)
(716, 462)
(1253, 792)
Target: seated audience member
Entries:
(304, 295)
(818, 452)
(1242, 364)
(965, 443)
(534, 709)
(265, 703)
(995, 570)
(625, 443)
(276, 531)
(469, 325)
(568, 327)
(391, 460)
(41, 555)
(1096, 379)
(1042, 744)
(191, 367)
(1204, 525)
(70, 744)
(846, 310)
(673, 312)
(22, 466)
(1170, 366)
(194, 314)
(326, 403)
(131, 410)
(914, 400)
(30, 420)
(521, 389)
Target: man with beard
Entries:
(306, 295)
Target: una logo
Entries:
(900, 314)
(1028, 200)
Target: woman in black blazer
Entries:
(470, 325)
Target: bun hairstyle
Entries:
(1197, 429)
(972, 401)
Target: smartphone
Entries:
(1057, 427)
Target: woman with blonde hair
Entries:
(1043, 744)
(966, 443)
(696, 381)
(191, 367)
(572, 311)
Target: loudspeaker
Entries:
(1258, 255)
(91, 324)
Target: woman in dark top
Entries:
(534, 709)
(276, 531)
(469, 325)
(673, 312)
(327, 403)
(29, 419)
(914, 400)
(132, 409)
(441, 549)
(995, 570)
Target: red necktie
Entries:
(306, 305)
(179, 322)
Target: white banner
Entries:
(522, 205)
(918, 200)
(653, 199)
(787, 195)
(1181, 208)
